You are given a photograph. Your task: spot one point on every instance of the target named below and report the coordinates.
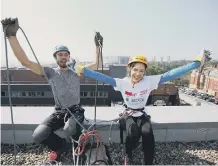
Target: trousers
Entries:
(44, 133)
(137, 127)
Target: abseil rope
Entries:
(96, 90)
(9, 95)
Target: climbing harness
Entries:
(128, 112)
(122, 124)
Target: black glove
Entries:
(98, 39)
(12, 26)
(207, 56)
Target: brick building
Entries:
(206, 81)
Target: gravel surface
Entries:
(194, 153)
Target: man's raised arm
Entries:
(11, 31)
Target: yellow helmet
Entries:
(138, 58)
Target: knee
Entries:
(146, 129)
(41, 133)
(70, 127)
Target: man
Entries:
(65, 84)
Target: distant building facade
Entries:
(206, 81)
(111, 60)
(31, 88)
(117, 71)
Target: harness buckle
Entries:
(134, 110)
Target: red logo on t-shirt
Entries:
(128, 93)
(140, 93)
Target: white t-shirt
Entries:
(136, 97)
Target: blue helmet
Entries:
(60, 48)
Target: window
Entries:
(40, 93)
(84, 94)
(100, 94)
(23, 94)
(32, 94)
(105, 94)
(15, 94)
(91, 94)
(3, 94)
(81, 94)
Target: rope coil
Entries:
(83, 140)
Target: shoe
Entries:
(55, 155)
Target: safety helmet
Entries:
(138, 58)
(60, 48)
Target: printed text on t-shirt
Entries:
(140, 93)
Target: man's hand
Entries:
(71, 64)
(98, 39)
(11, 26)
(75, 66)
(204, 57)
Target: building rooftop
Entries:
(170, 123)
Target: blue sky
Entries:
(176, 28)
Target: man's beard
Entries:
(62, 64)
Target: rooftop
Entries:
(170, 123)
(183, 135)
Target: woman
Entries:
(135, 90)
